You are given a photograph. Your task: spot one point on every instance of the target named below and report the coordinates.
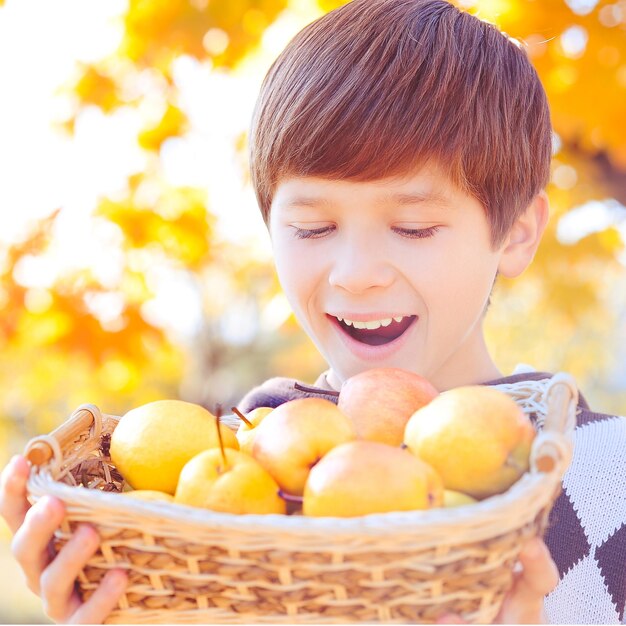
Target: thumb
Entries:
(540, 574)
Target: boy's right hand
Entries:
(53, 577)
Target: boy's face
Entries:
(409, 257)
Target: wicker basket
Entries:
(188, 565)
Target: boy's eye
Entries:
(417, 233)
(312, 233)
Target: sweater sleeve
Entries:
(271, 393)
(277, 391)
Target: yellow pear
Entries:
(247, 432)
(456, 498)
(152, 442)
(362, 477)
(475, 437)
(232, 482)
(149, 494)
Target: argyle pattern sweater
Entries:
(587, 528)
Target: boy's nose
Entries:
(359, 270)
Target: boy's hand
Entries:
(524, 603)
(53, 578)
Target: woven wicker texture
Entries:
(188, 565)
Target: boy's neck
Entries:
(459, 375)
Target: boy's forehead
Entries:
(426, 185)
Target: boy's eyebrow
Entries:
(402, 199)
(306, 201)
(420, 197)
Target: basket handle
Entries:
(40, 450)
(552, 448)
(561, 400)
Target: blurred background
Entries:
(134, 264)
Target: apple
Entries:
(380, 402)
(476, 437)
(248, 427)
(295, 436)
(362, 477)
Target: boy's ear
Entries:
(523, 239)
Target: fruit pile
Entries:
(391, 443)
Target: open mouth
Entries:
(378, 332)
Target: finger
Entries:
(538, 577)
(13, 501)
(540, 574)
(57, 580)
(31, 540)
(104, 599)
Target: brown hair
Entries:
(376, 88)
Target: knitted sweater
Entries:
(587, 528)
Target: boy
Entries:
(399, 152)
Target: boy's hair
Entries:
(377, 88)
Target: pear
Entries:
(476, 437)
(247, 430)
(295, 436)
(363, 477)
(229, 481)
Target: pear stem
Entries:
(242, 417)
(218, 415)
(326, 392)
(289, 498)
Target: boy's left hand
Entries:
(524, 602)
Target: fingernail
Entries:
(17, 464)
(86, 533)
(116, 579)
(46, 502)
(533, 549)
(42, 504)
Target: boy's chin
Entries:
(339, 373)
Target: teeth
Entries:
(368, 325)
(372, 325)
